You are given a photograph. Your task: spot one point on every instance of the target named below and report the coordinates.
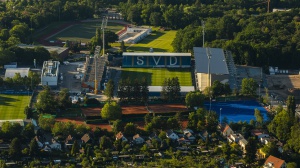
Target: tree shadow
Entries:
(132, 75)
(5, 101)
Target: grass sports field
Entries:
(12, 106)
(84, 31)
(156, 76)
(160, 41)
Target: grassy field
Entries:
(12, 106)
(160, 41)
(156, 76)
(84, 31)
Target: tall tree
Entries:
(294, 140)
(15, 148)
(251, 149)
(46, 102)
(64, 101)
(33, 148)
(249, 86)
(259, 117)
(109, 90)
(194, 99)
(291, 106)
(75, 148)
(111, 111)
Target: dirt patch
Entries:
(81, 121)
(161, 108)
(157, 108)
(91, 111)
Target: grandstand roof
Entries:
(10, 72)
(148, 54)
(217, 62)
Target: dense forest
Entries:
(254, 35)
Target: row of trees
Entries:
(133, 90)
(170, 89)
(26, 82)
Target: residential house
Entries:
(86, 138)
(260, 133)
(189, 136)
(203, 135)
(260, 154)
(138, 139)
(235, 138)
(188, 131)
(55, 145)
(227, 131)
(154, 136)
(40, 144)
(172, 135)
(274, 162)
(243, 142)
(121, 137)
(266, 140)
(69, 141)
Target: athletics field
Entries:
(12, 106)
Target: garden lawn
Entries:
(84, 31)
(156, 76)
(12, 106)
(160, 41)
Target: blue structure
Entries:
(236, 111)
(159, 60)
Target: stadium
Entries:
(158, 66)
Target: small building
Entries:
(56, 146)
(138, 139)
(260, 154)
(50, 73)
(172, 135)
(260, 133)
(11, 65)
(235, 138)
(274, 162)
(121, 137)
(11, 72)
(243, 142)
(86, 138)
(227, 131)
(69, 141)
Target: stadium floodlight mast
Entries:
(103, 26)
(208, 71)
(203, 31)
(96, 54)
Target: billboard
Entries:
(167, 60)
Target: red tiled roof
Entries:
(276, 162)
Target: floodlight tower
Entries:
(96, 55)
(203, 31)
(103, 26)
(209, 74)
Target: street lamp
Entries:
(208, 57)
(220, 115)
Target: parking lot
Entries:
(69, 73)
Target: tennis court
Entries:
(236, 111)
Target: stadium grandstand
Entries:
(133, 35)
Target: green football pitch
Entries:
(156, 76)
(12, 106)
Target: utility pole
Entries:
(103, 26)
(203, 31)
(96, 54)
(209, 74)
(269, 6)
